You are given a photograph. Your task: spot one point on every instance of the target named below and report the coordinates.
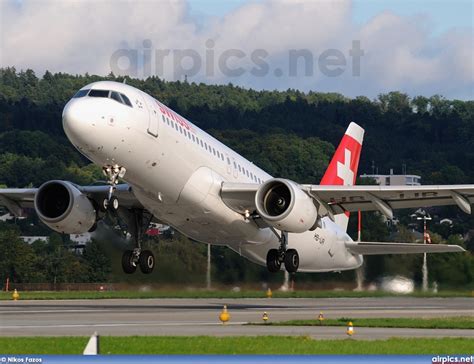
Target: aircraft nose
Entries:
(75, 120)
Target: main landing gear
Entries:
(131, 259)
(275, 257)
(136, 224)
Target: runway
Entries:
(200, 316)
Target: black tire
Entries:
(128, 265)
(146, 261)
(273, 261)
(104, 206)
(113, 204)
(292, 260)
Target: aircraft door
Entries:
(154, 122)
(154, 116)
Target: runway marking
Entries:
(53, 311)
(123, 324)
(306, 310)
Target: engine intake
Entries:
(285, 206)
(63, 208)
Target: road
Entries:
(200, 316)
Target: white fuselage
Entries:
(176, 171)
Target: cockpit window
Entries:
(116, 96)
(106, 94)
(126, 100)
(81, 93)
(99, 93)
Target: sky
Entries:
(353, 47)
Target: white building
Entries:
(395, 179)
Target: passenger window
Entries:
(235, 165)
(247, 172)
(175, 126)
(193, 138)
(240, 169)
(214, 151)
(81, 93)
(99, 93)
(126, 100)
(180, 129)
(202, 145)
(115, 96)
(228, 161)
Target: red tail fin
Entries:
(342, 171)
(343, 167)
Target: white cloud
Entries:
(401, 53)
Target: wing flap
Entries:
(380, 248)
(332, 200)
(15, 199)
(387, 198)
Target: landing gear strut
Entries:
(113, 173)
(137, 226)
(275, 257)
(135, 221)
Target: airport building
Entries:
(395, 179)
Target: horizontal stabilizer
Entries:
(379, 248)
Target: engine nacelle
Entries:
(63, 208)
(285, 206)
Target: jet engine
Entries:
(63, 208)
(285, 206)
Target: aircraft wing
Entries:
(380, 248)
(333, 200)
(15, 199)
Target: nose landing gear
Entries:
(275, 257)
(113, 173)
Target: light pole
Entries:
(208, 271)
(424, 270)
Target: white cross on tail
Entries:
(344, 170)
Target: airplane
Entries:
(179, 175)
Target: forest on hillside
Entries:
(289, 133)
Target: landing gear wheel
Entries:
(105, 205)
(273, 261)
(292, 260)
(128, 262)
(110, 205)
(146, 261)
(113, 203)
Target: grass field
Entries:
(459, 322)
(235, 345)
(45, 295)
